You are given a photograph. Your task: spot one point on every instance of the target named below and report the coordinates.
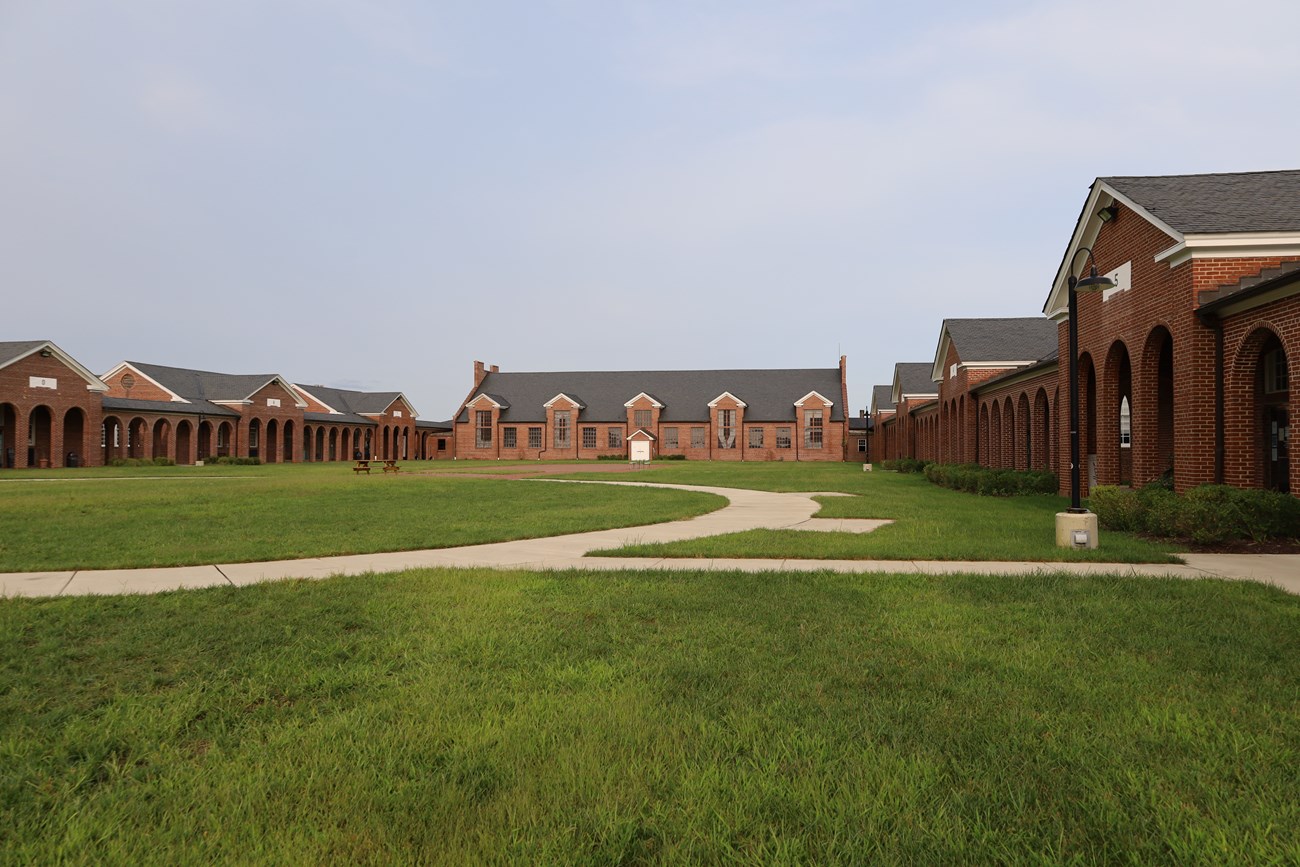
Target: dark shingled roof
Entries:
(12, 349)
(433, 425)
(347, 401)
(204, 384)
(1244, 202)
(171, 407)
(1028, 338)
(882, 398)
(685, 394)
(914, 377)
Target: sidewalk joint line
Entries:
(68, 582)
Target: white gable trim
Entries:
(285, 384)
(1085, 233)
(656, 404)
(740, 403)
(93, 383)
(941, 354)
(1233, 245)
(402, 398)
(553, 400)
(483, 396)
(301, 390)
(126, 365)
(801, 401)
(642, 432)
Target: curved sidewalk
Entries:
(746, 510)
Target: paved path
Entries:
(747, 510)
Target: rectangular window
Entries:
(726, 428)
(615, 438)
(812, 428)
(1275, 373)
(507, 437)
(254, 435)
(563, 434)
(697, 437)
(862, 444)
(1125, 424)
(588, 437)
(756, 438)
(670, 438)
(783, 438)
(641, 418)
(534, 438)
(483, 429)
(442, 445)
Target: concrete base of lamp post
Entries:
(1076, 530)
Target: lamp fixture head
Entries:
(1094, 283)
(1108, 213)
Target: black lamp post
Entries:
(1091, 283)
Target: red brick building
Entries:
(1184, 366)
(736, 415)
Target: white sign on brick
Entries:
(397, 413)
(1123, 277)
(273, 401)
(42, 382)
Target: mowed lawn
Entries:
(174, 516)
(930, 522)
(464, 717)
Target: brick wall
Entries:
(66, 418)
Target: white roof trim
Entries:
(244, 402)
(93, 383)
(175, 398)
(285, 384)
(941, 354)
(740, 403)
(403, 399)
(301, 390)
(1085, 233)
(1230, 245)
(656, 404)
(643, 432)
(552, 401)
(818, 395)
(482, 396)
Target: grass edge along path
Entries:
(472, 716)
(930, 522)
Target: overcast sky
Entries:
(372, 194)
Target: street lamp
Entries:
(1077, 527)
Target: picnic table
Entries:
(362, 466)
(391, 467)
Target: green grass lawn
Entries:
(466, 717)
(931, 523)
(171, 516)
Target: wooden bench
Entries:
(362, 467)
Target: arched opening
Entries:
(334, 444)
(1272, 396)
(366, 451)
(307, 444)
(287, 456)
(110, 438)
(183, 430)
(224, 436)
(320, 444)
(205, 440)
(1025, 425)
(406, 444)
(995, 435)
(8, 435)
(982, 456)
(346, 443)
(162, 431)
(255, 438)
(1009, 446)
(272, 447)
(1043, 442)
(1153, 406)
(1258, 424)
(75, 447)
(39, 428)
(1117, 465)
(136, 433)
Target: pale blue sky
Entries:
(373, 194)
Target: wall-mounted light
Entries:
(45, 353)
(1108, 213)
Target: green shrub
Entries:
(1268, 514)
(1117, 508)
(670, 457)
(1210, 515)
(906, 465)
(974, 479)
(611, 457)
(1161, 510)
(231, 459)
(163, 462)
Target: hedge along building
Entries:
(50, 407)
(1184, 366)
(741, 415)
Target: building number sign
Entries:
(42, 382)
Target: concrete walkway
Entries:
(746, 510)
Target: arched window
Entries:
(1125, 424)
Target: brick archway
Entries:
(184, 435)
(136, 438)
(982, 448)
(162, 438)
(1114, 462)
(111, 435)
(1153, 408)
(1087, 422)
(1043, 445)
(1258, 412)
(1025, 428)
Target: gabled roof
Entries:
(882, 399)
(1237, 202)
(814, 393)
(1006, 342)
(346, 401)
(717, 400)
(1241, 214)
(495, 399)
(194, 385)
(13, 351)
(654, 401)
(562, 396)
(685, 394)
(643, 434)
(912, 378)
